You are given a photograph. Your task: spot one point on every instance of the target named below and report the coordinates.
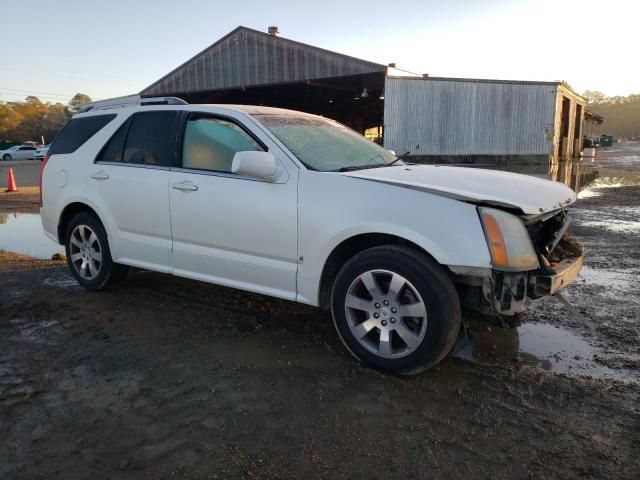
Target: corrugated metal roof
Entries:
(247, 57)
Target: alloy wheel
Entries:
(85, 252)
(386, 313)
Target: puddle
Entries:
(544, 346)
(22, 233)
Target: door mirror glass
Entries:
(258, 165)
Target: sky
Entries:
(54, 49)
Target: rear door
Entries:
(229, 229)
(130, 182)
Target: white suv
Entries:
(300, 207)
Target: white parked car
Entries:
(41, 152)
(302, 208)
(18, 152)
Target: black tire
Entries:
(108, 272)
(6, 157)
(432, 284)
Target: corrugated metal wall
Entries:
(248, 57)
(453, 117)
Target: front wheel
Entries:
(395, 309)
(88, 254)
(6, 157)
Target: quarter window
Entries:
(77, 131)
(211, 143)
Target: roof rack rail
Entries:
(130, 100)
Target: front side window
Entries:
(211, 143)
(325, 145)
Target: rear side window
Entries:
(77, 131)
(147, 138)
(112, 151)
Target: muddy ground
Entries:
(164, 377)
(25, 200)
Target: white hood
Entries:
(513, 190)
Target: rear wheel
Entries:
(88, 254)
(395, 309)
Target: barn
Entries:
(434, 119)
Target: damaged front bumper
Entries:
(566, 272)
(508, 293)
(511, 293)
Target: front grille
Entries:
(549, 248)
(543, 232)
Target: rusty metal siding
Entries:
(248, 57)
(460, 117)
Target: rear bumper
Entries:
(565, 272)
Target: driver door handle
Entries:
(185, 186)
(101, 175)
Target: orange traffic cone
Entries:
(11, 182)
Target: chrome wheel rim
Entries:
(85, 252)
(386, 314)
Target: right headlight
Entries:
(509, 242)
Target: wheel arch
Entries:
(70, 211)
(351, 246)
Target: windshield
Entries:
(324, 145)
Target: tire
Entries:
(365, 322)
(6, 157)
(88, 254)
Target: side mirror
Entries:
(258, 165)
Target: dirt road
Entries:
(164, 377)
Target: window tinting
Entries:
(210, 144)
(77, 131)
(112, 151)
(150, 138)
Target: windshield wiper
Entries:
(352, 168)
(399, 158)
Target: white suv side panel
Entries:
(335, 207)
(137, 201)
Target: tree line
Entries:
(33, 119)
(621, 114)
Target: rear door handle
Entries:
(101, 175)
(185, 186)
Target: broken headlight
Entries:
(509, 242)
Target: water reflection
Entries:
(22, 233)
(535, 344)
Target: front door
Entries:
(228, 229)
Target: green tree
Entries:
(593, 96)
(78, 100)
(31, 120)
